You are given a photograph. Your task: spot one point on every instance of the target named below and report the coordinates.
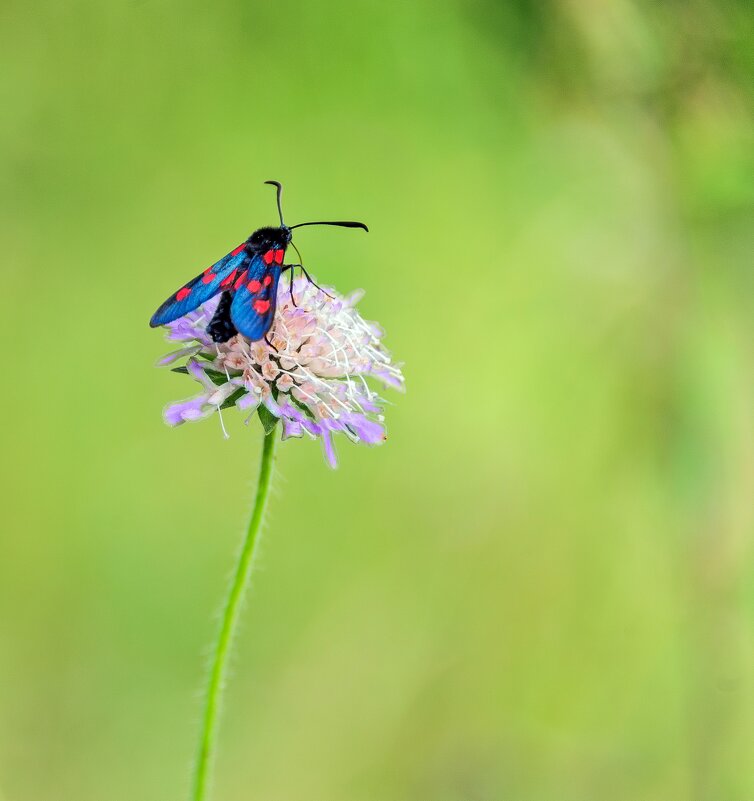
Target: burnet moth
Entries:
(248, 279)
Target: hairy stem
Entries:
(216, 683)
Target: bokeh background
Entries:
(542, 587)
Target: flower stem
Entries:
(230, 615)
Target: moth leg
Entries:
(290, 267)
(267, 340)
(220, 327)
(311, 281)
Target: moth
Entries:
(248, 280)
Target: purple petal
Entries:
(178, 354)
(389, 379)
(272, 406)
(191, 409)
(367, 405)
(292, 428)
(312, 427)
(196, 370)
(365, 429)
(290, 411)
(251, 399)
(329, 449)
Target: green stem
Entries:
(231, 611)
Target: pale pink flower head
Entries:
(321, 375)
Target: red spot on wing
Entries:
(254, 286)
(268, 257)
(182, 294)
(209, 278)
(261, 306)
(229, 280)
(241, 278)
(279, 256)
(238, 249)
(267, 280)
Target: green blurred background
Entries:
(542, 587)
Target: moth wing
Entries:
(254, 301)
(221, 275)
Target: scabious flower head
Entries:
(315, 378)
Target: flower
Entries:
(313, 378)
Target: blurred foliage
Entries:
(540, 588)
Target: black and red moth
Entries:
(248, 279)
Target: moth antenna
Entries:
(279, 187)
(341, 223)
